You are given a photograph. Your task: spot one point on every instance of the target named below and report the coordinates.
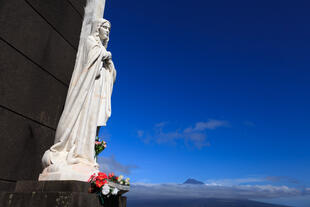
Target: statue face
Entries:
(104, 32)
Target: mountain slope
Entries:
(192, 181)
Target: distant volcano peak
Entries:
(192, 181)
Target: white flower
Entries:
(105, 189)
(122, 182)
(115, 191)
(120, 178)
(127, 181)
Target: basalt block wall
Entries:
(38, 45)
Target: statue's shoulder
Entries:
(91, 43)
(91, 39)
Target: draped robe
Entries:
(88, 105)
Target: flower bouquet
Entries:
(105, 186)
(99, 146)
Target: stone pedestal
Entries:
(55, 193)
(78, 172)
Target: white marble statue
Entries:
(88, 105)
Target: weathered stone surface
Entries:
(28, 90)
(122, 188)
(28, 32)
(50, 199)
(62, 16)
(63, 186)
(7, 185)
(78, 5)
(51, 186)
(23, 143)
(59, 193)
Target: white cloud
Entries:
(210, 124)
(192, 136)
(140, 133)
(249, 124)
(234, 181)
(175, 191)
(110, 164)
(161, 124)
(283, 179)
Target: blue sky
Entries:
(214, 91)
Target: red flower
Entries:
(102, 176)
(99, 183)
(98, 180)
(111, 175)
(91, 177)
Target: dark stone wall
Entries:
(38, 45)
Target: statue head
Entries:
(101, 28)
